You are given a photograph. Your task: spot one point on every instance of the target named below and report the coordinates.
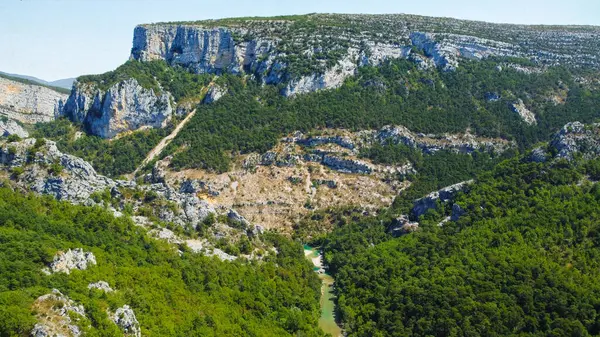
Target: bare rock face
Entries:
(29, 103)
(216, 50)
(421, 206)
(527, 116)
(64, 262)
(76, 183)
(125, 319)
(460, 143)
(11, 127)
(402, 225)
(102, 286)
(261, 48)
(126, 106)
(575, 138)
(214, 94)
(56, 314)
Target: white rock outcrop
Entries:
(421, 206)
(55, 315)
(102, 286)
(527, 116)
(28, 103)
(125, 106)
(76, 183)
(125, 319)
(76, 259)
(576, 138)
(10, 127)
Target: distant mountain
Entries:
(66, 83)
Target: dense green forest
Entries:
(523, 260)
(172, 294)
(253, 117)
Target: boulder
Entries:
(102, 286)
(75, 259)
(10, 127)
(125, 319)
(55, 316)
(402, 225)
(421, 206)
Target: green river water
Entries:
(327, 319)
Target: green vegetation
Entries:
(254, 117)
(442, 169)
(156, 75)
(110, 158)
(523, 260)
(171, 294)
(29, 82)
(392, 154)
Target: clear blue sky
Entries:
(53, 39)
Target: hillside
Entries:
(442, 174)
(517, 256)
(258, 85)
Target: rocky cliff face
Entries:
(10, 127)
(576, 138)
(29, 103)
(421, 206)
(126, 106)
(320, 51)
(218, 50)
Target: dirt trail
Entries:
(156, 151)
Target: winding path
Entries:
(157, 150)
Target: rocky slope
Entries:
(125, 106)
(38, 166)
(319, 51)
(28, 103)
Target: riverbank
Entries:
(327, 320)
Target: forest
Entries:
(522, 260)
(172, 293)
(252, 118)
(110, 158)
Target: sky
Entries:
(55, 39)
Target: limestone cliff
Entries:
(125, 106)
(218, 50)
(319, 51)
(28, 103)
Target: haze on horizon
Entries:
(55, 39)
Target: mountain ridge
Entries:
(65, 83)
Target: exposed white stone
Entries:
(125, 319)
(126, 106)
(56, 320)
(11, 127)
(101, 285)
(76, 259)
(520, 108)
(29, 103)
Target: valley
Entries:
(311, 175)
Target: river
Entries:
(327, 319)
